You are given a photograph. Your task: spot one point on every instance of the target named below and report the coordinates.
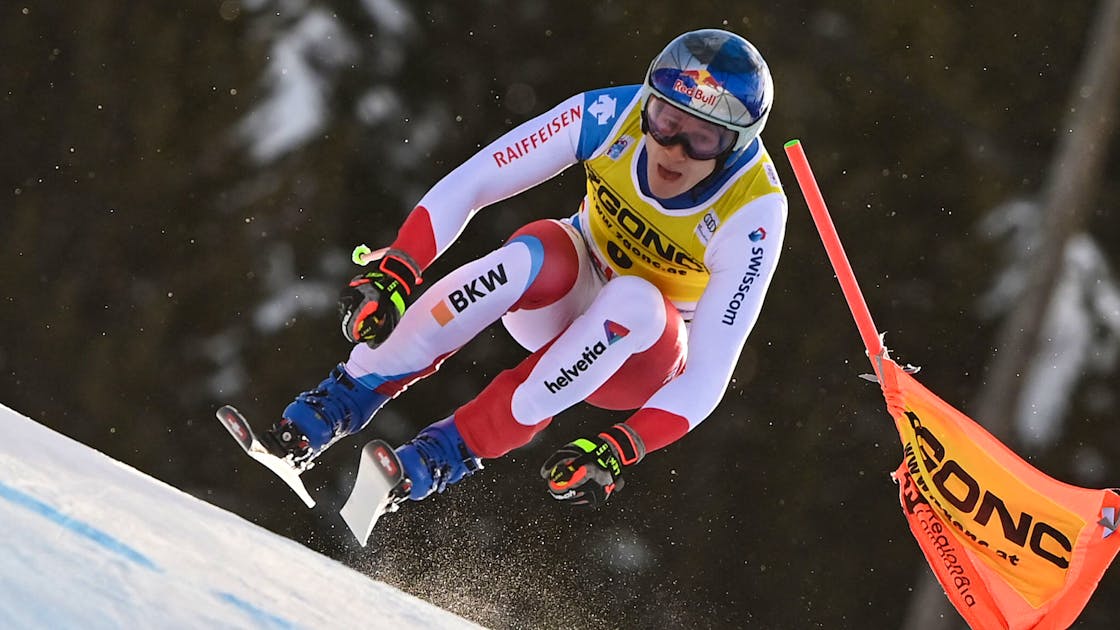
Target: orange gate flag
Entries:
(1011, 547)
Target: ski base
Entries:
(375, 489)
(239, 428)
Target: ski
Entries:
(239, 428)
(375, 490)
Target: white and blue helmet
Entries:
(717, 76)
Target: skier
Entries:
(642, 300)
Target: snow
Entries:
(92, 543)
(1080, 337)
(289, 293)
(1081, 330)
(295, 109)
(390, 15)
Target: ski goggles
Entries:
(669, 125)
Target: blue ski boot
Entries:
(436, 458)
(339, 406)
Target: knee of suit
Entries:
(636, 304)
(554, 259)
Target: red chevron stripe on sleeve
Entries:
(417, 238)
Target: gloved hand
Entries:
(587, 471)
(374, 301)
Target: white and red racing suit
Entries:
(633, 302)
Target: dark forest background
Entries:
(170, 244)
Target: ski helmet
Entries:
(717, 76)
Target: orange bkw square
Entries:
(442, 314)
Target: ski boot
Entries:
(339, 406)
(433, 460)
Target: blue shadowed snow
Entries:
(78, 527)
(265, 619)
(91, 543)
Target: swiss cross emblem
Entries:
(386, 461)
(237, 429)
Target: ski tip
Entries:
(792, 143)
(227, 410)
(235, 423)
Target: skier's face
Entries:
(670, 171)
(681, 148)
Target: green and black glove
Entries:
(587, 471)
(372, 304)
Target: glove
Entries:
(372, 304)
(587, 471)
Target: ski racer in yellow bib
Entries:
(633, 233)
(642, 300)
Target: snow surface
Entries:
(88, 542)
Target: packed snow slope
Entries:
(88, 542)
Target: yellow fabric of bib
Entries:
(632, 234)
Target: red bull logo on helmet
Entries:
(702, 77)
(698, 85)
